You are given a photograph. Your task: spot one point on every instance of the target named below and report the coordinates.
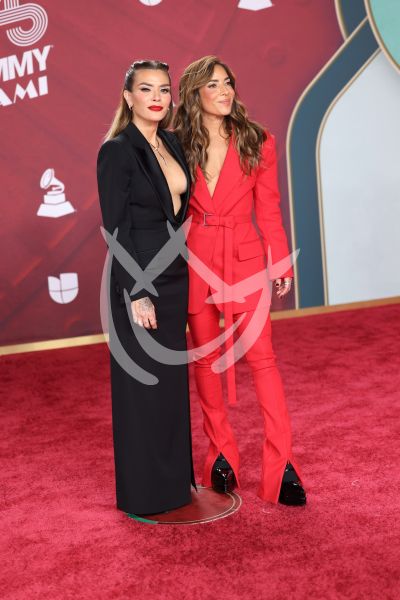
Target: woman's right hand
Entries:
(143, 313)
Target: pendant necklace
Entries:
(156, 149)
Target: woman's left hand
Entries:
(283, 286)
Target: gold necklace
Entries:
(156, 149)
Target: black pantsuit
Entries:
(151, 423)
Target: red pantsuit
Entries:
(223, 237)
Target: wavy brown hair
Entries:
(123, 114)
(188, 122)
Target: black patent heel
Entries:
(292, 492)
(222, 476)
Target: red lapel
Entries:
(202, 194)
(231, 174)
(229, 179)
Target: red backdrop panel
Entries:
(274, 53)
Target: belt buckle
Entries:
(204, 218)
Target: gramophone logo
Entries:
(254, 4)
(54, 202)
(63, 289)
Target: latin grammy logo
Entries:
(63, 289)
(54, 202)
(13, 13)
(254, 4)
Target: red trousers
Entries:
(277, 450)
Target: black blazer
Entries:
(135, 197)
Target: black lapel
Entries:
(153, 172)
(173, 145)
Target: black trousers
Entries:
(151, 423)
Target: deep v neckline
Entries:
(152, 169)
(174, 157)
(212, 196)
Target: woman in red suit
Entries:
(233, 164)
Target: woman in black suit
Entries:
(144, 184)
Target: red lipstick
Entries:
(155, 107)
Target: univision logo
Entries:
(63, 289)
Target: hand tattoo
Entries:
(145, 304)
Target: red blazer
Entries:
(228, 241)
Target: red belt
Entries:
(228, 222)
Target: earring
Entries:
(130, 108)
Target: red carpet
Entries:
(65, 540)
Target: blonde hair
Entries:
(188, 122)
(123, 114)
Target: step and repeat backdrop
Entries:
(321, 75)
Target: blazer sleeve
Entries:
(267, 205)
(114, 183)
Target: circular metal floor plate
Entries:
(206, 506)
